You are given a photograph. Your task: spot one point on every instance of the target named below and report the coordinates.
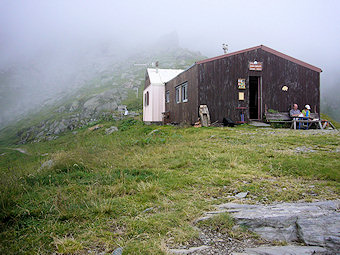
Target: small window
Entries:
(184, 92)
(167, 96)
(146, 99)
(178, 91)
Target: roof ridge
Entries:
(265, 48)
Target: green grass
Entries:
(143, 186)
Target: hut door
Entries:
(254, 96)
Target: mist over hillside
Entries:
(94, 86)
(27, 83)
(45, 78)
(49, 49)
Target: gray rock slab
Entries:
(315, 223)
(286, 250)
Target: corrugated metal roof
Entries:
(265, 48)
(161, 76)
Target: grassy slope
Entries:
(95, 195)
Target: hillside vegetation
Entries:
(111, 84)
(142, 187)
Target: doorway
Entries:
(254, 97)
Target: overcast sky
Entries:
(305, 29)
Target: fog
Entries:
(56, 38)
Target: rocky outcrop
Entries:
(105, 105)
(314, 224)
(99, 90)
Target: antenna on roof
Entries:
(225, 48)
(157, 66)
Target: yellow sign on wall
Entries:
(241, 96)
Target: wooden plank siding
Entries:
(303, 84)
(183, 112)
(214, 83)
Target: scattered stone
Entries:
(50, 138)
(148, 209)
(60, 128)
(98, 126)
(241, 195)
(154, 131)
(20, 150)
(118, 251)
(45, 154)
(110, 130)
(3, 154)
(304, 149)
(75, 132)
(47, 164)
(190, 250)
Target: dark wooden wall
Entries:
(218, 84)
(183, 112)
(214, 83)
(303, 84)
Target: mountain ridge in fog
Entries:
(55, 72)
(98, 94)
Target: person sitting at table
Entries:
(295, 112)
(306, 111)
(306, 115)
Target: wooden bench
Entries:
(284, 117)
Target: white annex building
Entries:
(154, 92)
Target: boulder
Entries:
(110, 130)
(60, 128)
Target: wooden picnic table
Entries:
(284, 117)
(309, 122)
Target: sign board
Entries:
(241, 96)
(255, 66)
(241, 83)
